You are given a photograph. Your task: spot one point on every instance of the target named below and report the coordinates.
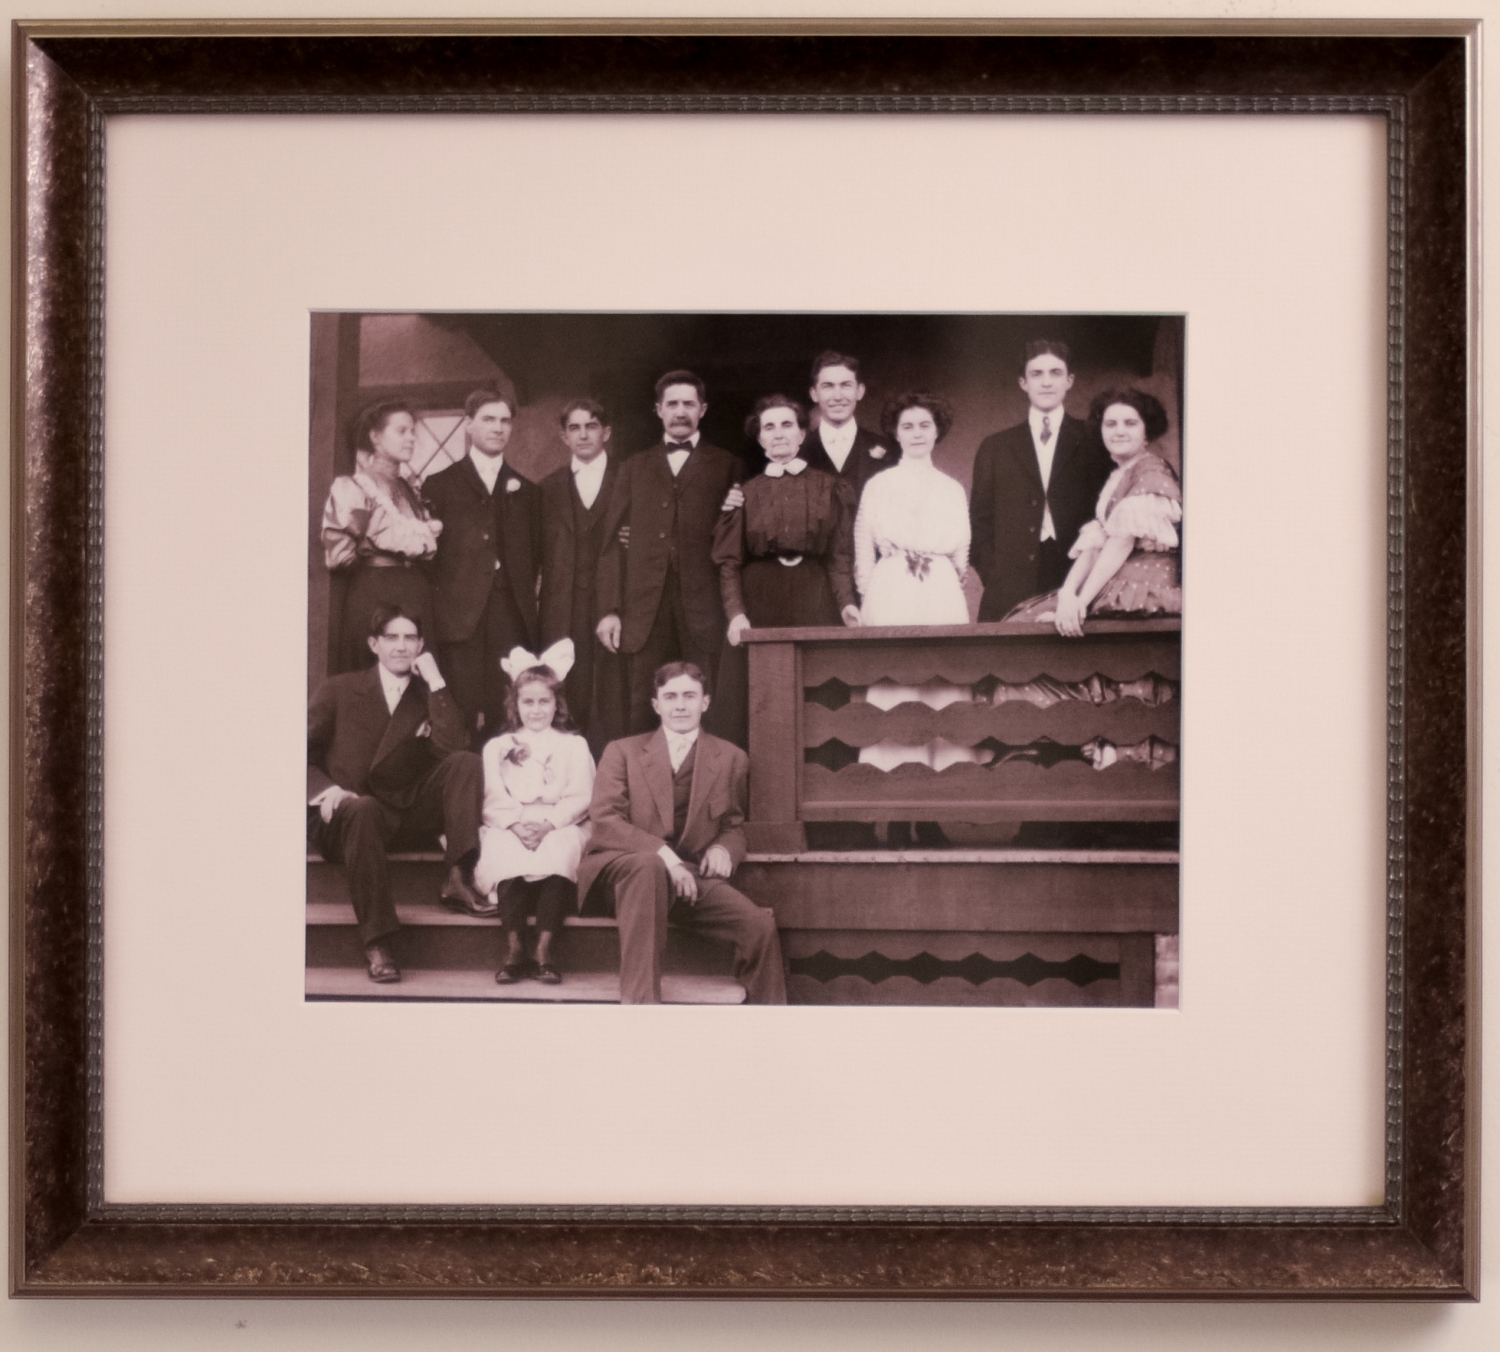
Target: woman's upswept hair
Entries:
(1147, 405)
(372, 418)
(935, 404)
(561, 720)
(764, 405)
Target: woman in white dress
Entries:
(911, 535)
(911, 553)
(538, 779)
(376, 533)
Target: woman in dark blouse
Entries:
(785, 557)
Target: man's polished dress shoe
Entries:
(459, 895)
(381, 965)
(547, 974)
(513, 972)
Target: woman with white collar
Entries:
(783, 553)
(783, 557)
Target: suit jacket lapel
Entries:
(705, 768)
(1026, 453)
(408, 717)
(656, 762)
(471, 477)
(1069, 439)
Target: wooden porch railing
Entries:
(798, 705)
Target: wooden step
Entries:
(346, 983)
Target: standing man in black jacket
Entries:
(659, 598)
(1035, 485)
(575, 505)
(488, 559)
(840, 445)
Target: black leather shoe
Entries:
(548, 975)
(458, 895)
(513, 972)
(382, 966)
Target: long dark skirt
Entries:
(776, 597)
(372, 587)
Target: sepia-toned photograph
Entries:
(820, 659)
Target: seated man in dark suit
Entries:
(1035, 485)
(667, 813)
(386, 766)
(659, 598)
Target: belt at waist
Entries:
(390, 561)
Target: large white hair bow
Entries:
(559, 657)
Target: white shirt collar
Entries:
(678, 745)
(793, 466)
(588, 477)
(489, 467)
(838, 438)
(392, 687)
(1035, 416)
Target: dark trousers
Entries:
(472, 667)
(551, 900)
(597, 687)
(670, 640)
(641, 894)
(363, 829)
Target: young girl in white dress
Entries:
(538, 779)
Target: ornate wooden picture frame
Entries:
(68, 1240)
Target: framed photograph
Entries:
(722, 497)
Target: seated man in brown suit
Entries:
(667, 814)
(387, 765)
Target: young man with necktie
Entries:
(1034, 486)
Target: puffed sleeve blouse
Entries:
(363, 518)
(1143, 500)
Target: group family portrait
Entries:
(745, 658)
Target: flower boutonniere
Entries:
(512, 485)
(877, 452)
(518, 753)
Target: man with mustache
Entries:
(659, 597)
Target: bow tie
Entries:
(679, 446)
(775, 471)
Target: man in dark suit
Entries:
(839, 445)
(659, 597)
(1035, 485)
(488, 559)
(387, 765)
(667, 813)
(575, 505)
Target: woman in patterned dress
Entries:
(1126, 561)
(376, 531)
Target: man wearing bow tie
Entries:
(659, 596)
(668, 814)
(488, 559)
(575, 505)
(1034, 487)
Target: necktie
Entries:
(1046, 428)
(679, 446)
